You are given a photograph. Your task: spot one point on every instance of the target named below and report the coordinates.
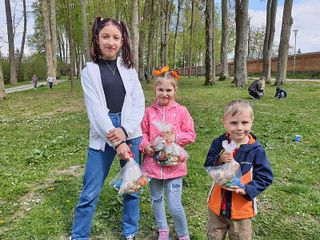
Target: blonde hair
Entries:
(236, 107)
(167, 76)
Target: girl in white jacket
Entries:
(115, 106)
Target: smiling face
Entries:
(239, 126)
(165, 92)
(110, 41)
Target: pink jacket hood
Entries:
(182, 125)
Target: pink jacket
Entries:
(183, 126)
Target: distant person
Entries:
(35, 81)
(256, 89)
(280, 93)
(232, 207)
(50, 81)
(145, 76)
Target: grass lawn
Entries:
(44, 138)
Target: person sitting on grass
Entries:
(256, 89)
(280, 93)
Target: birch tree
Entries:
(284, 43)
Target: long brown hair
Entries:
(100, 23)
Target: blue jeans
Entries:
(97, 169)
(173, 190)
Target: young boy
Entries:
(231, 209)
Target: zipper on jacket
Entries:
(164, 121)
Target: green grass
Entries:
(43, 142)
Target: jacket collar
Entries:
(172, 104)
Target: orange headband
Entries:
(165, 69)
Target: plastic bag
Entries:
(167, 153)
(227, 174)
(130, 179)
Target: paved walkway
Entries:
(28, 86)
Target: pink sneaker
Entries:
(163, 234)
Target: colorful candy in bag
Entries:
(167, 153)
(227, 174)
(130, 179)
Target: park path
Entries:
(28, 86)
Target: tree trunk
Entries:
(284, 43)
(224, 41)
(47, 35)
(71, 45)
(13, 72)
(23, 41)
(240, 60)
(53, 32)
(268, 40)
(180, 2)
(150, 40)
(209, 37)
(142, 31)
(165, 22)
(84, 25)
(191, 37)
(135, 32)
(2, 90)
(213, 46)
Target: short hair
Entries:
(237, 106)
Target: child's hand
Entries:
(225, 157)
(116, 135)
(149, 151)
(123, 151)
(236, 189)
(170, 137)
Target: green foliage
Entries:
(44, 137)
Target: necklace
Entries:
(112, 70)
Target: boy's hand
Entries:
(236, 189)
(123, 151)
(116, 135)
(225, 157)
(149, 151)
(170, 137)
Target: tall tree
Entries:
(53, 32)
(84, 25)
(13, 72)
(2, 90)
(71, 44)
(150, 40)
(135, 32)
(268, 39)
(142, 33)
(23, 41)
(165, 16)
(240, 59)
(284, 43)
(191, 37)
(209, 39)
(224, 41)
(180, 2)
(47, 36)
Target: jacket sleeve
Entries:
(138, 105)
(213, 153)
(262, 175)
(97, 113)
(145, 131)
(187, 133)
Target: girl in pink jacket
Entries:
(166, 179)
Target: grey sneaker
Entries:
(131, 237)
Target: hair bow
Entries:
(158, 72)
